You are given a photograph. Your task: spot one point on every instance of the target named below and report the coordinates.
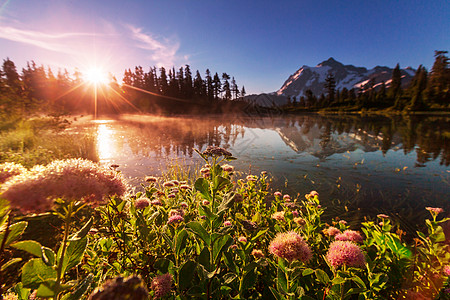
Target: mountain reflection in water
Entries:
(360, 165)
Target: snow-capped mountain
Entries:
(348, 76)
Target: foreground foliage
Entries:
(218, 237)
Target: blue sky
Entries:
(260, 43)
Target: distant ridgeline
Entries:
(332, 85)
(155, 91)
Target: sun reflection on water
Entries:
(106, 143)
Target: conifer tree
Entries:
(217, 86)
(440, 76)
(209, 86)
(330, 86)
(395, 89)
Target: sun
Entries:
(96, 76)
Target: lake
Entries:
(361, 166)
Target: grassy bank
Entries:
(31, 140)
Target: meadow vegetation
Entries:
(215, 236)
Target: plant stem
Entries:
(2, 248)
(67, 221)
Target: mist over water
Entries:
(361, 166)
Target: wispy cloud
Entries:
(53, 42)
(163, 51)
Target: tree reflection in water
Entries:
(353, 160)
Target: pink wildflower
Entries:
(287, 198)
(290, 246)
(175, 182)
(383, 216)
(175, 219)
(233, 247)
(279, 216)
(174, 212)
(161, 285)
(332, 231)
(242, 239)
(295, 213)
(171, 196)
(151, 179)
(263, 172)
(435, 210)
(251, 178)
(10, 169)
(216, 151)
(447, 270)
(185, 187)
(204, 170)
(156, 202)
(313, 193)
(299, 221)
(168, 184)
(343, 222)
(345, 253)
(349, 235)
(227, 223)
(238, 198)
(228, 168)
(205, 202)
(141, 203)
(184, 205)
(257, 253)
(72, 179)
(277, 194)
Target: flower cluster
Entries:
(349, 235)
(141, 203)
(331, 231)
(10, 169)
(119, 288)
(216, 151)
(290, 246)
(161, 285)
(345, 253)
(279, 216)
(72, 179)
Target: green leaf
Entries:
(282, 282)
(322, 276)
(307, 272)
(248, 281)
(256, 218)
(202, 185)
(74, 254)
(204, 259)
(35, 272)
(276, 294)
(83, 231)
(220, 245)
(80, 289)
(47, 289)
(259, 234)
(187, 272)
(338, 280)
(48, 256)
(163, 265)
(226, 204)
(198, 230)
(29, 246)
(220, 182)
(358, 281)
(438, 235)
(14, 233)
(21, 292)
(180, 241)
(10, 263)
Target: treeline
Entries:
(159, 88)
(427, 91)
(38, 89)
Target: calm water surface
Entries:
(361, 166)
